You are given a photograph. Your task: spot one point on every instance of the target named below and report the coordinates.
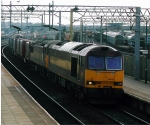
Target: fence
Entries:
(129, 65)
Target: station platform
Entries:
(17, 107)
(137, 88)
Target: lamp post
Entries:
(101, 32)
(146, 55)
(137, 44)
(71, 24)
(71, 21)
(81, 30)
(60, 25)
(146, 64)
(106, 33)
(10, 13)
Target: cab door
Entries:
(74, 62)
(79, 68)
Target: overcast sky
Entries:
(138, 3)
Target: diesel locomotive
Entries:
(89, 71)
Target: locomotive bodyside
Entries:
(39, 53)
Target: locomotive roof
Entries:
(44, 43)
(69, 46)
(49, 42)
(17, 35)
(82, 48)
(95, 48)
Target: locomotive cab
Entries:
(104, 73)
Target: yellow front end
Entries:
(104, 79)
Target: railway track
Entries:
(122, 117)
(63, 107)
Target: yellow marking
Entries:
(46, 61)
(61, 63)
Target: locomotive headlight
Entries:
(89, 83)
(118, 83)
